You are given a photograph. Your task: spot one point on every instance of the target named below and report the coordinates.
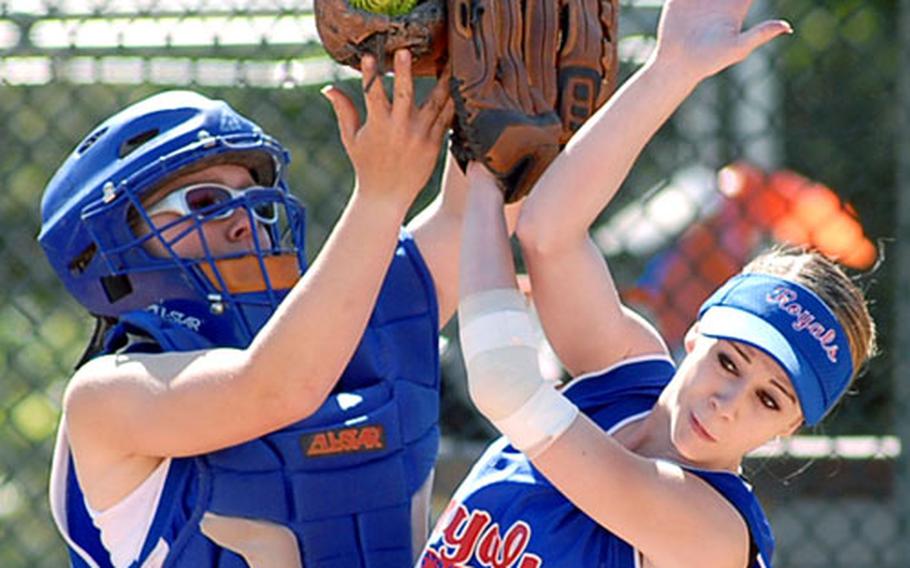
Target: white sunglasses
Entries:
(199, 197)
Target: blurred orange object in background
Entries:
(756, 210)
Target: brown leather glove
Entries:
(525, 77)
(348, 33)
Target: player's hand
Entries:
(702, 37)
(395, 150)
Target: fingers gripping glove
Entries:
(348, 33)
(525, 77)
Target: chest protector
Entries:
(341, 480)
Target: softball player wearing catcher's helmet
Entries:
(235, 406)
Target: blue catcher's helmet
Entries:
(94, 202)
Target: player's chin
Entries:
(693, 450)
(684, 444)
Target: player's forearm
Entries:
(437, 232)
(585, 177)
(486, 256)
(309, 340)
(449, 203)
(497, 339)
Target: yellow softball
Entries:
(387, 7)
(403, 6)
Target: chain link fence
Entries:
(816, 123)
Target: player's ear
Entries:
(691, 336)
(793, 427)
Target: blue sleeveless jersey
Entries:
(342, 480)
(507, 514)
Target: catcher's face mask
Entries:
(98, 233)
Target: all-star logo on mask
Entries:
(176, 316)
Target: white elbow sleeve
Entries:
(500, 353)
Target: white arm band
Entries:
(500, 352)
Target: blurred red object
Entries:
(756, 210)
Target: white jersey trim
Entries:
(637, 359)
(158, 555)
(57, 491)
(132, 510)
(627, 420)
(125, 525)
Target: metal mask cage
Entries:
(93, 203)
(232, 285)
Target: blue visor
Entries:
(792, 325)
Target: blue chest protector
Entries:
(342, 480)
(506, 513)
